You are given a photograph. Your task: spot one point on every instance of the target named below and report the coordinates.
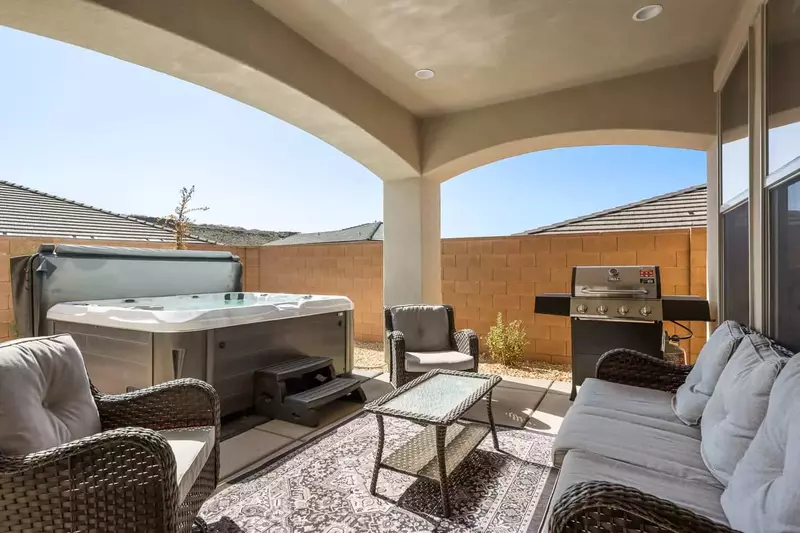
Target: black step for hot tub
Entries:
(294, 389)
(296, 367)
(324, 394)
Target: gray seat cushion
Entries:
(46, 400)
(648, 403)
(425, 328)
(192, 448)
(691, 398)
(580, 466)
(658, 445)
(425, 361)
(739, 404)
(763, 494)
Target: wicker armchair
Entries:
(464, 342)
(122, 479)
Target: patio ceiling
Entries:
(512, 76)
(486, 52)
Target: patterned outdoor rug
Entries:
(324, 487)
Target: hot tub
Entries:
(222, 338)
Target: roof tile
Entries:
(372, 231)
(31, 213)
(685, 208)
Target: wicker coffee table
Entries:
(439, 398)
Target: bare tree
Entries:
(180, 218)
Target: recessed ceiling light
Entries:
(648, 12)
(425, 73)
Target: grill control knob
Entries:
(582, 308)
(602, 309)
(645, 311)
(623, 310)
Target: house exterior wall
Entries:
(484, 276)
(14, 246)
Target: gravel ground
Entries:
(370, 355)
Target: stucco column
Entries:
(412, 257)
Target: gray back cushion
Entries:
(691, 398)
(738, 405)
(46, 400)
(764, 492)
(424, 327)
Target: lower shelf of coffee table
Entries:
(418, 457)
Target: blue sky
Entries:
(125, 138)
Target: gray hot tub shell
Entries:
(145, 353)
(136, 337)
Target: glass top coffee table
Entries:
(439, 398)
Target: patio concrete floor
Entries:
(537, 404)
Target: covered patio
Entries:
(420, 92)
(510, 78)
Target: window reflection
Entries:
(785, 213)
(736, 264)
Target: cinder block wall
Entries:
(352, 270)
(484, 276)
(14, 246)
(480, 276)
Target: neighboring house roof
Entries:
(27, 212)
(372, 231)
(685, 208)
(229, 235)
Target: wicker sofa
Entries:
(74, 459)
(634, 457)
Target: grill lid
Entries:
(621, 293)
(635, 282)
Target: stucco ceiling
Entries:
(489, 51)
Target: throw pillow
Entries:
(46, 400)
(738, 405)
(764, 494)
(425, 328)
(691, 398)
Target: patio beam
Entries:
(238, 49)
(672, 107)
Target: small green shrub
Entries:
(506, 342)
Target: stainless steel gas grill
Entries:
(629, 294)
(617, 307)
